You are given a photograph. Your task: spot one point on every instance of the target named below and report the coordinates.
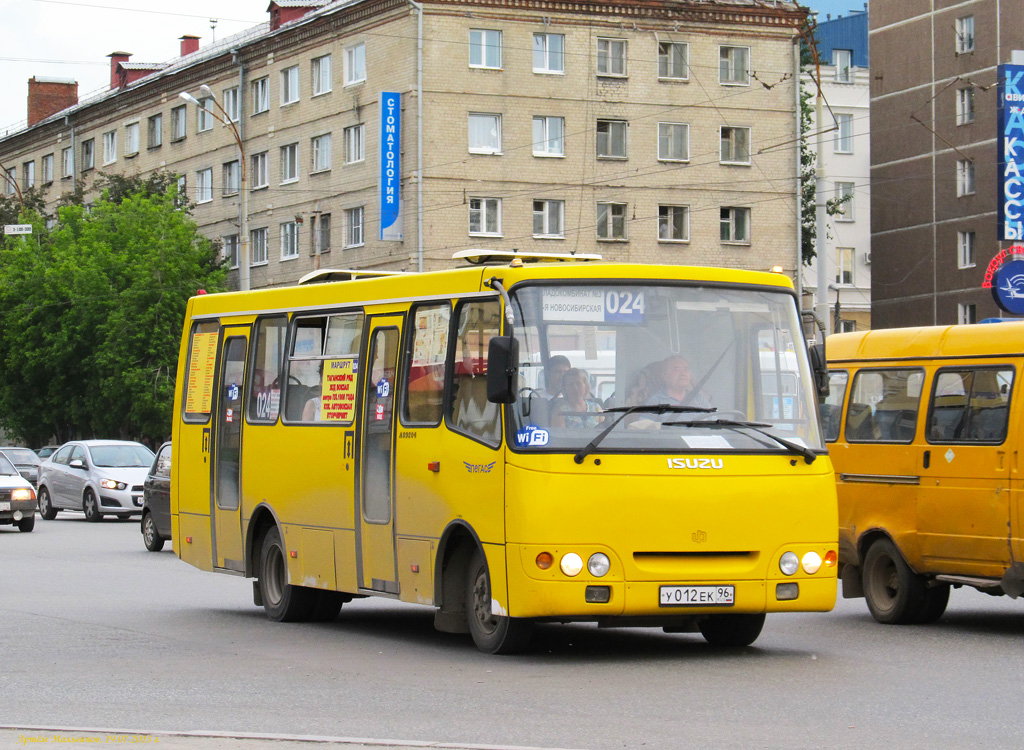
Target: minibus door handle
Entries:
(927, 458)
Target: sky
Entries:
(71, 38)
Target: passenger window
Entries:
(79, 454)
(883, 406)
(268, 359)
(970, 405)
(63, 455)
(163, 462)
(202, 358)
(831, 407)
(321, 369)
(470, 411)
(424, 392)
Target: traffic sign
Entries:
(17, 229)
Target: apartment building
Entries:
(387, 134)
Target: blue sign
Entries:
(1008, 287)
(531, 435)
(390, 166)
(1011, 152)
(383, 388)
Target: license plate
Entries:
(5, 505)
(697, 596)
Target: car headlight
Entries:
(110, 484)
(789, 563)
(599, 564)
(811, 563)
(23, 493)
(571, 564)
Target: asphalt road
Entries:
(99, 634)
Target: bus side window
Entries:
(883, 406)
(470, 411)
(832, 406)
(268, 358)
(424, 393)
(970, 406)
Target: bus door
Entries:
(375, 517)
(227, 445)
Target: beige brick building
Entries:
(645, 131)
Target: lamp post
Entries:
(837, 318)
(243, 203)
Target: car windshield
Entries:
(121, 456)
(702, 352)
(21, 455)
(7, 468)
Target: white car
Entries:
(97, 477)
(17, 498)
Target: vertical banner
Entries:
(1011, 151)
(390, 166)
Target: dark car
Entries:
(156, 502)
(47, 450)
(26, 461)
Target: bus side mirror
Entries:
(820, 368)
(502, 363)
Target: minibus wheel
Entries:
(731, 631)
(492, 634)
(281, 601)
(896, 595)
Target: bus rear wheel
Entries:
(732, 631)
(281, 601)
(492, 634)
(896, 595)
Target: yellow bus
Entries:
(923, 432)
(408, 436)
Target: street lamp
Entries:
(243, 204)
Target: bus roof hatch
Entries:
(324, 275)
(482, 257)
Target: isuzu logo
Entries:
(695, 463)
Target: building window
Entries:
(733, 66)
(611, 221)
(289, 240)
(322, 234)
(258, 246)
(260, 95)
(548, 53)
(232, 178)
(260, 170)
(548, 218)
(673, 223)
(966, 314)
(484, 48)
(964, 177)
(178, 123)
(354, 227)
(155, 131)
(673, 141)
(290, 85)
(10, 181)
(484, 134)
(965, 249)
(611, 57)
(182, 197)
(110, 147)
(355, 144)
(844, 201)
(131, 139)
(204, 185)
(321, 75)
(965, 35)
(321, 148)
(355, 64)
(965, 105)
(229, 250)
(734, 224)
(230, 97)
(844, 265)
(204, 117)
(672, 61)
(28, 175)
(611, 139)
(843, 142)
(548, 136)
(289, 163)
(66, 163)
(843, 60)
(735, 145)
(485, 216)
(47, 169)
(88, 154)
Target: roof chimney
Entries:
(116, 58)
(47, 96)
(189, 44)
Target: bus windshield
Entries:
(729, 363)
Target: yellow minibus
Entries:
(922, 429)
(398, 436)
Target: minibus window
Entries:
(202, 359)
(883, 406)
(424, 395)
(268, 358)
(832, 407)
(470, 411)
(321, 371)
(970, 405)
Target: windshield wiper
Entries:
(789, 445)
(625, 411)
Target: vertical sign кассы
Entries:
(1011, 152)
(390, 166)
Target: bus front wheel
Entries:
(281, 601)
(492, 634)
(732, 631)
(896, 595)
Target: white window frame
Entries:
(260, 170)
(204, 115)
(666, 220)
(667, 61)
(845, 266)
(28, 175)
(320, 70)
(842, 59)
(109, 147)
(485, 49)
(155, 131)
(484, 212)
(10, 180)
(612, 57)
(964, 40)
(232, 178)
(230, 247)
(488, 121)
(965, 182)
(321, 234)
(731, 140)
(289, 163)
(545, 209)
(667, 139)
(258, 246)
(965, 105)
(730, 223)
(320, 153)
(231, 103)
(204, 185)
(842, 143)
(355, 143)
(261, 95)
(89, 154)
(131, 139)
(846, 208)
(67, 162)
(179, 123)
(966, 313)
(355, 64)
(732, 71)
(46, 169)
(609, 213)
(289, 240)
(289, 85)
(551, 63)
(354, 234)
(548, 136)
(607, 139)
(966, 244)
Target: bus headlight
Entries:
(571, 564)
(599, 565)
(811, 562)
(789, 563)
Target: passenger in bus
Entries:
(554, 370)
(676, 386)
(311, 411)
(574, 407)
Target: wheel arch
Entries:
(451, 567)
(263, 517)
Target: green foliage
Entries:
(91, 313)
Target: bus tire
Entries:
(896, 595)
(328, 605)
(935, 600)
(731, 631)
(281, 601)
(492, 634)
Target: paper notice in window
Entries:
(199, 389)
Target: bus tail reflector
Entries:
(545, 560)
(293, 554)
(434, 466)
(188, 540)
(830, 558)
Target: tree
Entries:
(91, 314)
